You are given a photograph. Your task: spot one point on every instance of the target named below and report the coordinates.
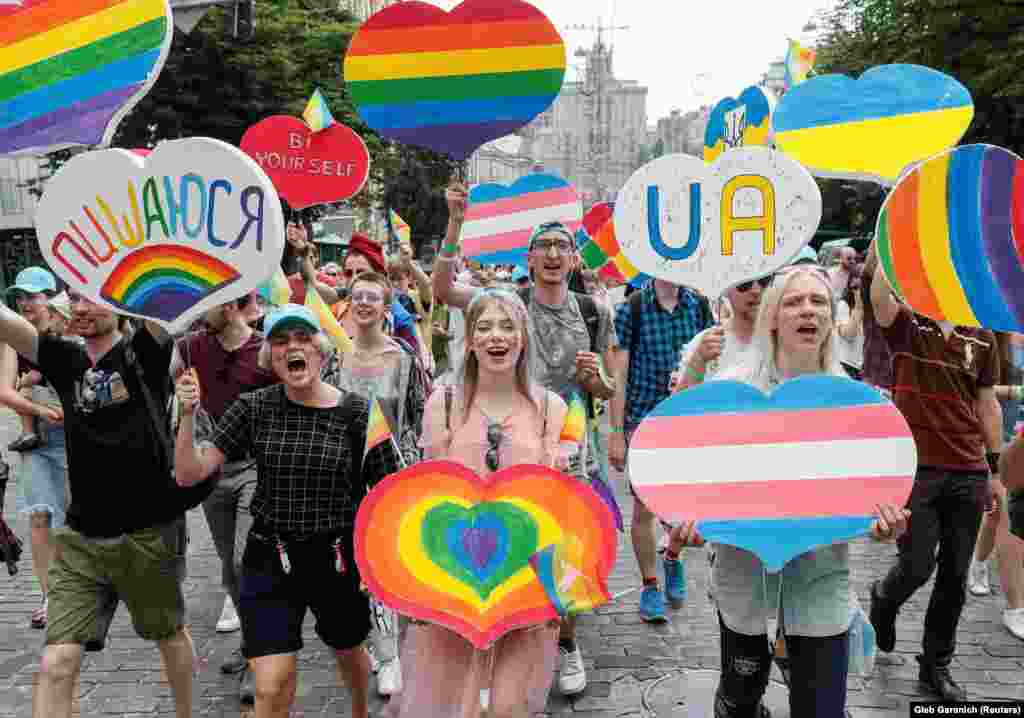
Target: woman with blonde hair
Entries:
(494, 417)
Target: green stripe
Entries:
(885, 253)
(187, 277)
(139, 39)
(593, 256)
(457, 87)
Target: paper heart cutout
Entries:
(192, 225)
(874, 127)
(307, 167)
(500, 218)
(439, 543)
(739, 122)
(713, 226)
(777, 475)
(71, 70)
(454, 81)
(951, 238)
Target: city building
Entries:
(363, 9)
(682, 132)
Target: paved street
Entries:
(635, 670)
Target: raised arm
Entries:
(192, 464)
(446, 289)
(882, 299)
(16, 331)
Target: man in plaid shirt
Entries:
(653, 326)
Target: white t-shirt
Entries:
(457, 344)
(733, 353)
(851, 351)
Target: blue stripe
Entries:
(506, 256)
(491, 192)
(51, 98)
(963, 196)
(467, 112)
(171, 285)
(778, 541)
(801, 394)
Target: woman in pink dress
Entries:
(493, 418)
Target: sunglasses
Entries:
(562, 246)
(763, 282)
(494, 439)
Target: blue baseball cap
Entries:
(34, 280)
(807, 255)
(519, 273)
(290, 315)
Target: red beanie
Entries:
(374, 253)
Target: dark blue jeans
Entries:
(818, 670)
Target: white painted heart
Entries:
(194, 224)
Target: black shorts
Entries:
(272, 603)
(1015, 510)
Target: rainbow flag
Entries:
(317, 114)
(575, 421)
(316, 304)
(561, 570)
(799, 63)
(377, 429)
(276, 290)
(401, 232)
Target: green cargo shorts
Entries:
(90, 576)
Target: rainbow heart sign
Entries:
(480, 556)
(71, 69)
(500, 218)
(711, 227)
(874, 127)
(193, 224)
(776, 475)
(739, 122)
(454, 81)
(951, 238)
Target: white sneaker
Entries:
(372, 654)
(1013, 619)
(572, 677)
(977, 578)
(389, 678)
(228, 621)
(485, 698)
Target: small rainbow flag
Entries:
(316, 304)
(317, 114)
(377, 429)
(560, 568)
(799, 63)
(401, 232)
(575, 421)
(276, 290)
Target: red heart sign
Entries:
(307, 167)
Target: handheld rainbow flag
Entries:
(799, 63)
(561, 571)
(575, 421)
(317, 114)
(276, 290)
(330, 325)
(377, 429)
(401, 232)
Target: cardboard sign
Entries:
(480, 555)
(307, 167)
(194, 224)
(70, 70)
(951, 238)
(874, 127)
(713, 226)
(777, 475)
(739, 122)
(454, 81)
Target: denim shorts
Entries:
(43, 478)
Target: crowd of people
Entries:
(256, 417)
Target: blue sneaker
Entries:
(652, 605)
(675, 583)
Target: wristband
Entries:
(617, 430)
(699, 376)
(450, 249)
(1017, 393)
(992, 457)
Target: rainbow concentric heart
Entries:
(439, 543)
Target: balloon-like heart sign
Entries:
(713, 226)
(454, 81)
(479, 555)
(874, 127)
(71, 69)
(739, 122)
(307, 167)
(951, 238)
(194, 224)
(776, 475)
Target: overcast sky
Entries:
(672, 42)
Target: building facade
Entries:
(363, 9)
(683, 132)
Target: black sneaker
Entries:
(883, 621)
(938, 680)
(234, 664)
(26, 442)
(247, 689)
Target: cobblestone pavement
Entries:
(635, 670)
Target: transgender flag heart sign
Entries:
(776, 475)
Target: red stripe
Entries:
(775, 499)
(412, 14)
(873, 421)
(38, 17)
(522, 203)
(516, 239)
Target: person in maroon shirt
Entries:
(944, 379)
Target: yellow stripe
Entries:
(412, 65)
(79, 33)
(933, 236)
(135, 273)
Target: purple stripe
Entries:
(997, 229)
(456, 141)
(82, 123)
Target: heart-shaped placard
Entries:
(194, 224)
(307, 167)
(71, 69)
(951, 238)
(439, 543)
(776, 475)
(454, 81)
(874, 127)
(739, 122)
(713, 226)
(500, 218)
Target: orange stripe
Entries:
(448, 38)
(905, 245)
(46, 16)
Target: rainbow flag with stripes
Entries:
(575, 421)
(377, 429)
(562, 570)
(316, 304)
(317, 114)
(276, 290)
(799, 63)
(401, 232)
